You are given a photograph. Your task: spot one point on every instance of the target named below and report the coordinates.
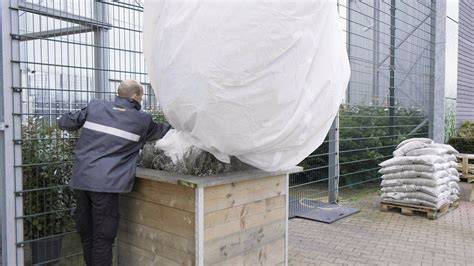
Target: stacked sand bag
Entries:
(421, 173)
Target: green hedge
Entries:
(462, 145)
(365, 141)
(47, 155)
(464, 140)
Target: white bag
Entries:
(415, 167)
(454, 185)
(453, 197)
(414, 174)
(454, 178)
(450, 148)
(453, 171)
(257, 80)
(433, 191)
(415, 181)
(417, 195)
(422, 159)
(424, 140)
(420, 202)
(450, 158)
(427, 151)
(413, 145)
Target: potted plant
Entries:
(47, 161)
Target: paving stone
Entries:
(372, 237)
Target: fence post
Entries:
(101, 52)
(12, 229)
(333, 184)
(437, 100)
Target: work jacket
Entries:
(107, 150)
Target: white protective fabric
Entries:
(259, 80)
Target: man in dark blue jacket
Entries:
(105, 163)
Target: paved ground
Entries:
(385, 238)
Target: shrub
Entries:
(464, 140)
(365, 141)
(466, 130)
(47, 155)
(463, 145)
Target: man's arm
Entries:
(157, 131)
(73, 120)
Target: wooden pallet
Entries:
(455, 204)
(466, 170)
(409, 209)
(466, 178)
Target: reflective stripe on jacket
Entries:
(107, 150)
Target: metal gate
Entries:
(58, 54)
(389, 98)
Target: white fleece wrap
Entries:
(257, 80)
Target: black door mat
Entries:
(326, 213)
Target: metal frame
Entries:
(8, 200)
(333, 185)
(391, 107)
(437, 103)
(199, 226)
(102, 59)
(376, 54)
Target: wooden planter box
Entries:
(240, 218)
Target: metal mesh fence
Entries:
(390, 46)
(66, 52)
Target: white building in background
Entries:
(465, 71)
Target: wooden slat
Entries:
(235, 213)
(245, 223)
(155, 241)
(270, 254)
(128, 255)
(166, 194)
(157, 216)
(235, 194)
(409, 209)
(211, 180)
(222, 249)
